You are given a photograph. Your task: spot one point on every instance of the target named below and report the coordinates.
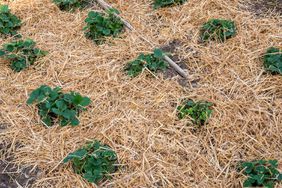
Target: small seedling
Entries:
(273, 60)
(165, 3)
(54, 105)
(218, 30)
(100, 26)
(21, 54)
(94, 162)
(153, 62)
(9, 23)
(198, 111)
(260, 173)
(70, 5)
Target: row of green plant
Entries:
(96, 162)
(23, 53)
(20, 53)
(54, 106)
(154, 62)
(71, 5)
(100, 25)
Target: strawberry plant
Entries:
(54, 105)
(164, 3)
(260, 173)
(100, 26)
(69, 5)
(9, 23)
(94, 162)
(199, 111)
(153, 62)
(21, 54)
(218, 29)
(273, 60)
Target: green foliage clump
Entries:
(21, 54)
(53, 104)
(95, 162)
(273, 60)
(69, 5)
(9, 23)
(100, 26)
(218, 29)
(164, 3)
(153, 62)
(260, 173)
(199, 111)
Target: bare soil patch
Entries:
(175, 50)
(13, 175)
(264, 7)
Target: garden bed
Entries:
(137, 117)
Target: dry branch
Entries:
(106, 6)
(178, 69)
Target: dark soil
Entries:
(12, 175)
(263, 8)
(173, 50)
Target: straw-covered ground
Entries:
(137, 117)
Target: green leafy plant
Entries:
(153, 62)
(165, 3)
(100, 26)
(54, 105)
(273, 60)
(9, 23)
(95, 162)
(199, 111)
(218, 29)
(21, 54)
(69, 5)
(260, 173)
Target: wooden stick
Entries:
(106, 6)
(178, 69)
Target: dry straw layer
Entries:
(137, 117)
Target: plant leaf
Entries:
(79, 154)
(158, 53)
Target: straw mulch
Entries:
(137, 117)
